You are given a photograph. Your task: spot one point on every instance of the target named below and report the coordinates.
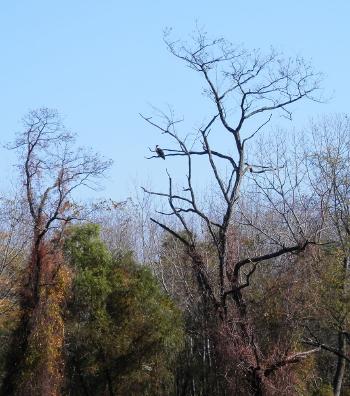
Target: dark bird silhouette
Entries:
(160, 152)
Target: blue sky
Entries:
(101, 63)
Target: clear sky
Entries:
(100, 63)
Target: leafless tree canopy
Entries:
(242, 86)
(53, 168)
(246, 89)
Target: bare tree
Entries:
(328, 167)
(246, 89)
(51, 171)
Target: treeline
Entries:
(242, 290)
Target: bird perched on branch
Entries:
(160, 152)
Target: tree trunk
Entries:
(15, 356)
(257, 383)
(109, 383)
(34, 359)
(339, 374)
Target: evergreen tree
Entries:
(123, 333)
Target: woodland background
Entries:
(226, 273)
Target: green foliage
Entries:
(324, 390)
(333, 290)
(123, 333)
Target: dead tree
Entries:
(246, 89)
(51, 170)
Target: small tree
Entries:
(13, 249)
(244, 87)
(13, 253)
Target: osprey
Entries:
(160, 152)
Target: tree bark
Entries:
(339, 374)
(257, 383)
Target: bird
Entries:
(160, 152)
